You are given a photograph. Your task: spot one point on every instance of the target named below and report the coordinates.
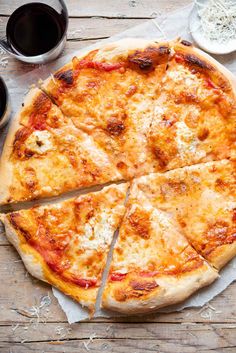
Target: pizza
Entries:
(160, 116)
(194, 116)
(161, 104)
(202, 200)
(153, 263)
(46, 155)
(119, 112)
(110, 94)
(66, 243)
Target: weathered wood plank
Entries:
(19, 284)
(200, 336)
(96, 28)
(171, 344)
(104, 8)
(3, 240)
(90, 28)
(28, 291)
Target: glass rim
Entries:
(37, 57)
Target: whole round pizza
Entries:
(147, 132)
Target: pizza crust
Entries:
(208, 59)
(204, 206)
(171, 290)
(81, 219)
(30, 260)
(67, 158)
(107, 51)
(6, 167)
(37, 267)
(123, 47)
(157, 230)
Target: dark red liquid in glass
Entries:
(34, 29)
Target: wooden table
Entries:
(24, 327)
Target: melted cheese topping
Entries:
(150, 242)
(182, 76)
(189, 123)
(115, 107)
(121, 119)
(187, 143)
(202, 200)
(52, 156)
(74, 236)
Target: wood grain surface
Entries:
(24, 328)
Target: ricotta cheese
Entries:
(39, 142)
(98, 232)
(187, 142)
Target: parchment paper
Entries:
(162, 27)
(75, 312)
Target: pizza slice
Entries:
(195, 114)
(153, 264)
(202, 199)
(109, 94)
(46, 155)
(66, 244)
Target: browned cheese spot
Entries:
(115, 126)
(65, 76)
(218, 234)
(162, 157)
(41, 104)
(146, 60)
(144, 285)
(193, 60)
(203, 134)
(139, 221)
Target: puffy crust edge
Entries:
(220, 69)
(124, 47)
(127, 45)
(6, 166)
(37, 267)
(109, 51)
(171, 290)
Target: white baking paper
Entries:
(75, 313)
(163, 27)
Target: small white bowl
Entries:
(206, 44)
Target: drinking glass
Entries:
(59, 17)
